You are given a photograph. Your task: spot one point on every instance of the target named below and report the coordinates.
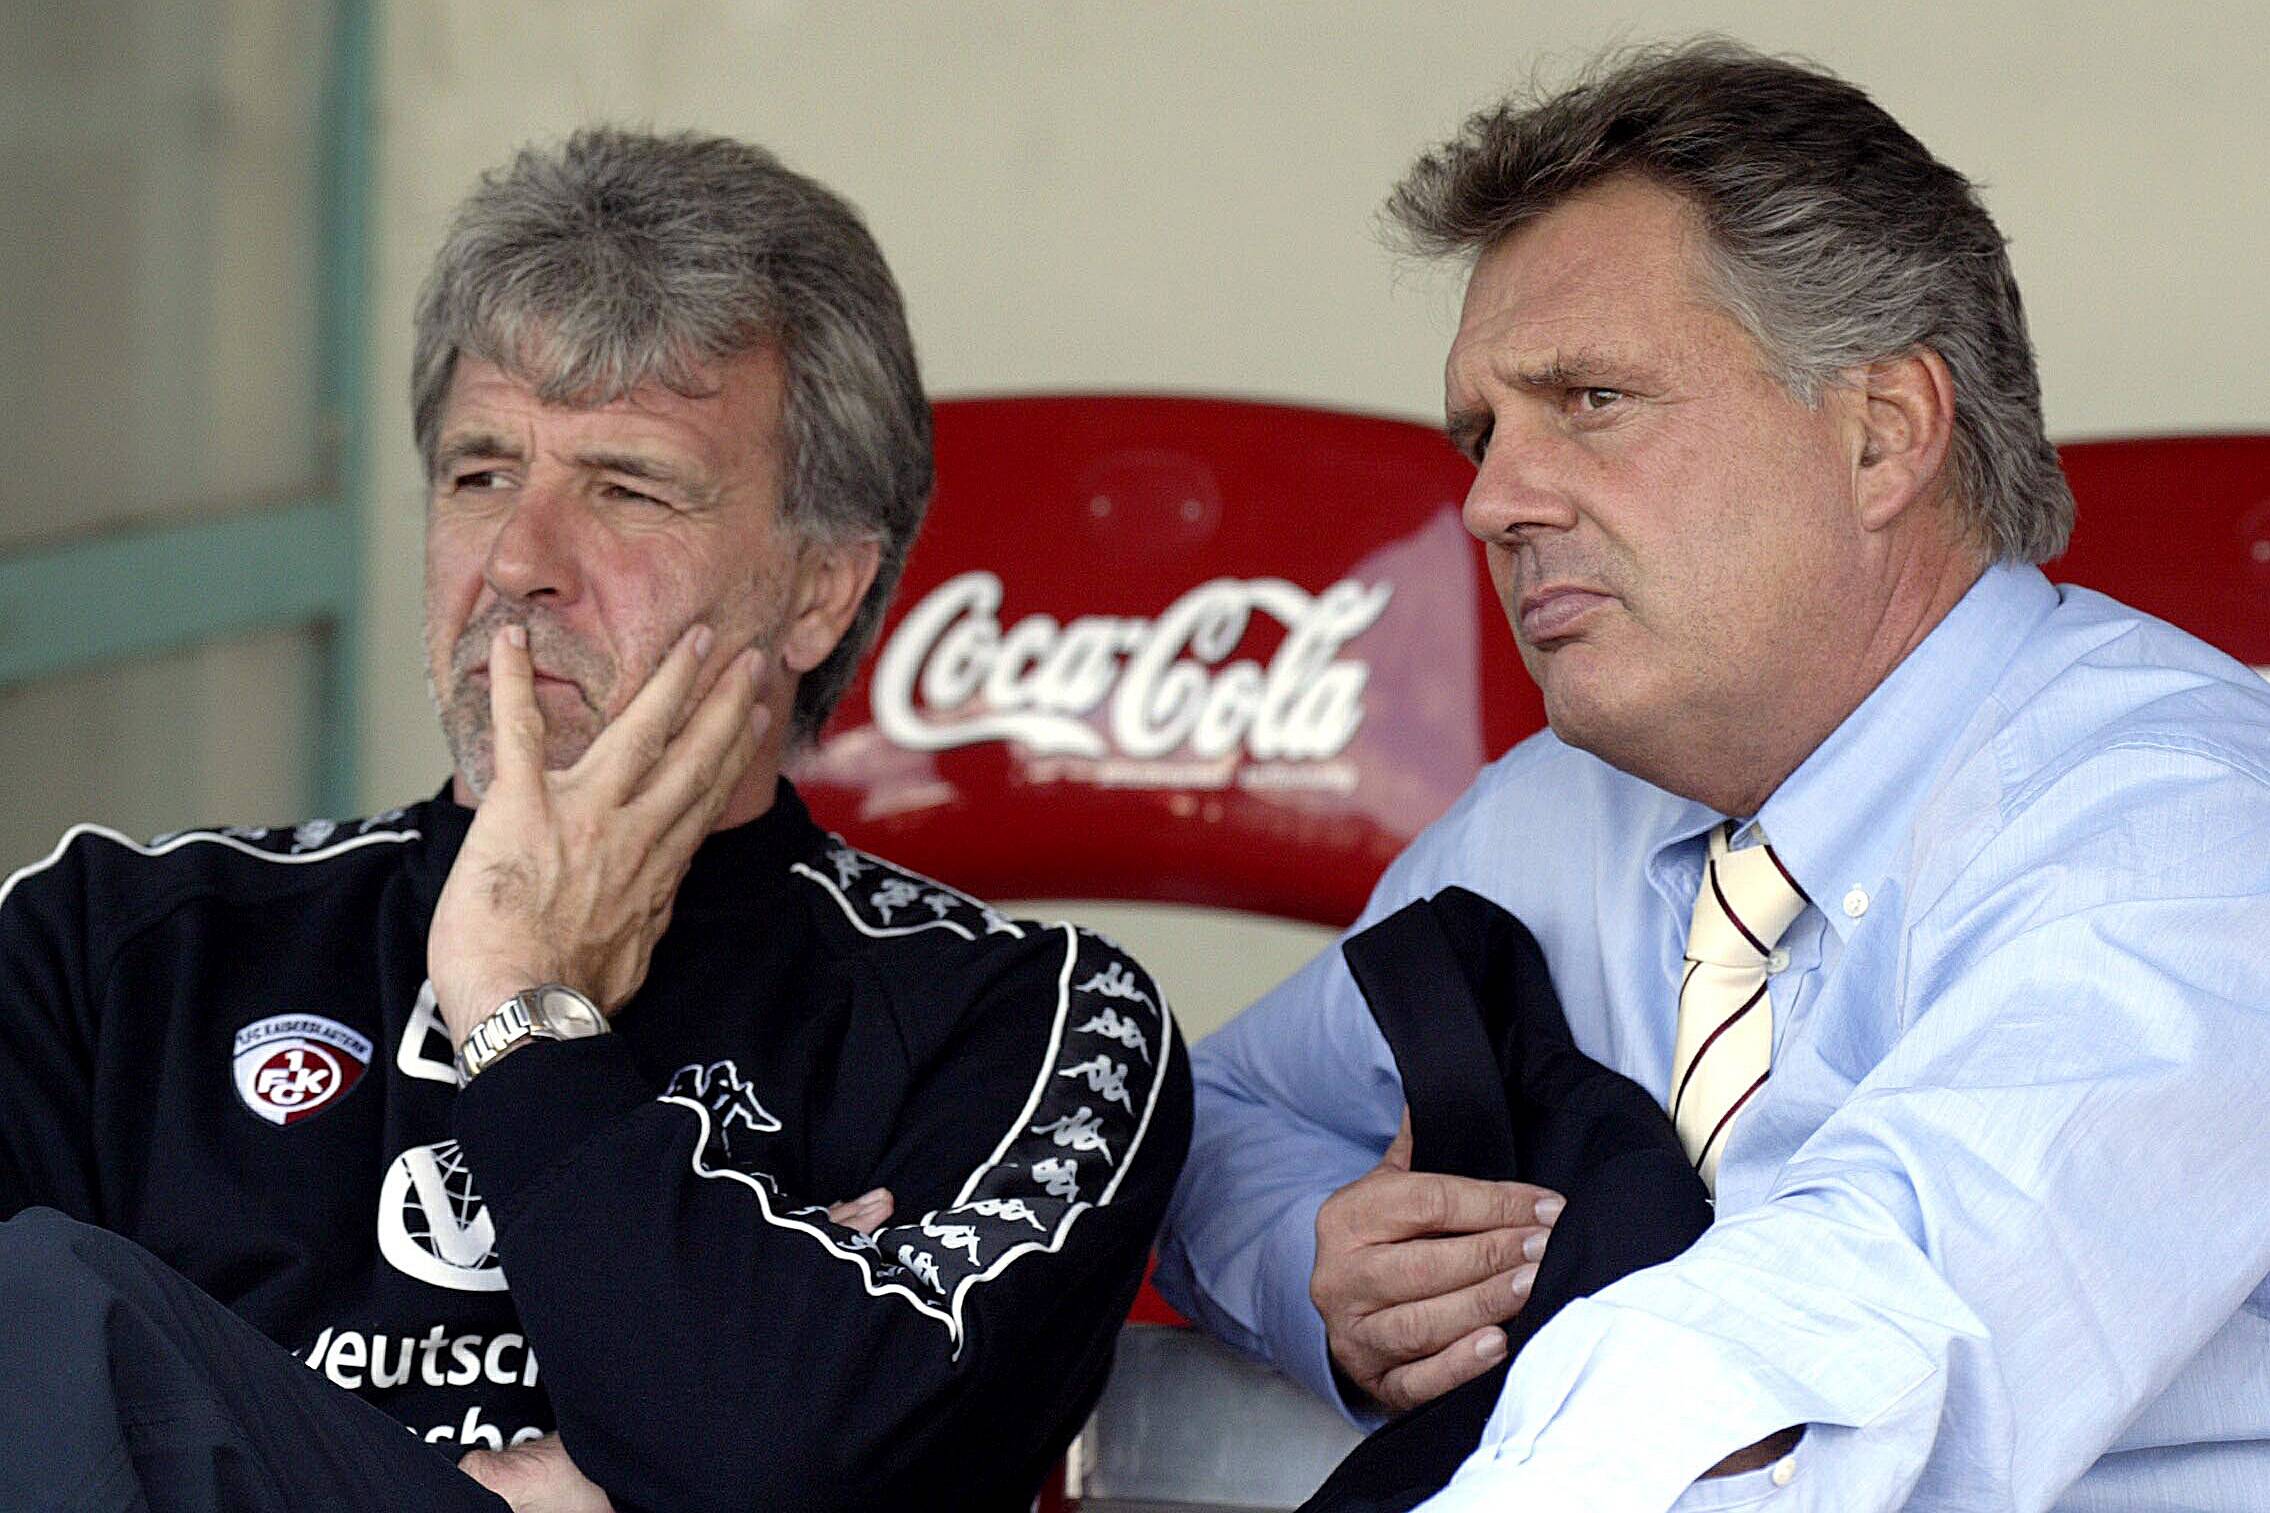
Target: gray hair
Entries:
(623, 258)
(1835, 239)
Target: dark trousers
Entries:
(125, 1387)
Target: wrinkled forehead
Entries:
(1613, 275)
(589, 355)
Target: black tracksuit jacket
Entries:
(221, 1045)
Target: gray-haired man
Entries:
(1975, 1049)
(611, 1017)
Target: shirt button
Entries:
(1785, 1471)
(1856, 903)
(1778, 962)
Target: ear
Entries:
(831, 584)
(1904, 422)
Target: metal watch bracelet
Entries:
(552, 1011)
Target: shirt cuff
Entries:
(1493, 1490)
(1562, 1434)
(531, 1109)
(1288, 1316)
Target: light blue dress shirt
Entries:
(1997, 1230)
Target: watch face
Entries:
(571, 1015)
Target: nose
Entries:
(1517, 492)
(534, 553)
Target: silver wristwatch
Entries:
(550, 1012)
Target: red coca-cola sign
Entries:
(1143, 688)
(1199, 649)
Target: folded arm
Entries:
(713, 1338)
(2021, 1225)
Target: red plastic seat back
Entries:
(1194, 650)
(2179, 527)
(1212, 652)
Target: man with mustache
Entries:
(516, 1114)
(1928, 898)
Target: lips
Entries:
(541, 677)
(1557, 611)
(567, 670)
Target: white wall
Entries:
(158, 229)
(1089, 194)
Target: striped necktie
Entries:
(1725, 1045)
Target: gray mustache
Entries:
(558, 653)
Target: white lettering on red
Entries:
(952, 676)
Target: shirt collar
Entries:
(1838, 821)
(1676, 827)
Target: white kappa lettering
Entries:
(892, 896)
(961, 1237)
(1080, 1130)
(1111, 1026)
(1106, 1078)
(1011, 1210)
(1115, 981)
(731, 1101)
(848, 865)
(924, 1265)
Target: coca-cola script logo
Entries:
(952, 676)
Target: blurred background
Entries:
(214, 215)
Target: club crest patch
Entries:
(292, 1066)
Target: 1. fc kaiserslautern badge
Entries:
(291, 1066)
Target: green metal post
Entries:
(344, 348)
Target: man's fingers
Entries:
(1398, 1157)
(1425, 1325)
(1422, 1381)
(700, 793)
(1407, 1271)
(1410, 1303)
(866, 1213)
(1392, 1205)
(536, 1477)
(695, 781)
(708, 754)
(516, 723)
(634, 740)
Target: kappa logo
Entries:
(732, 1103)
(432, 1224)
(291, 1067)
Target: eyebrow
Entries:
(648, 470)
(464, 445)
(1558, 368)
(1564, 368)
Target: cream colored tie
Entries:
(1725, 1044)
